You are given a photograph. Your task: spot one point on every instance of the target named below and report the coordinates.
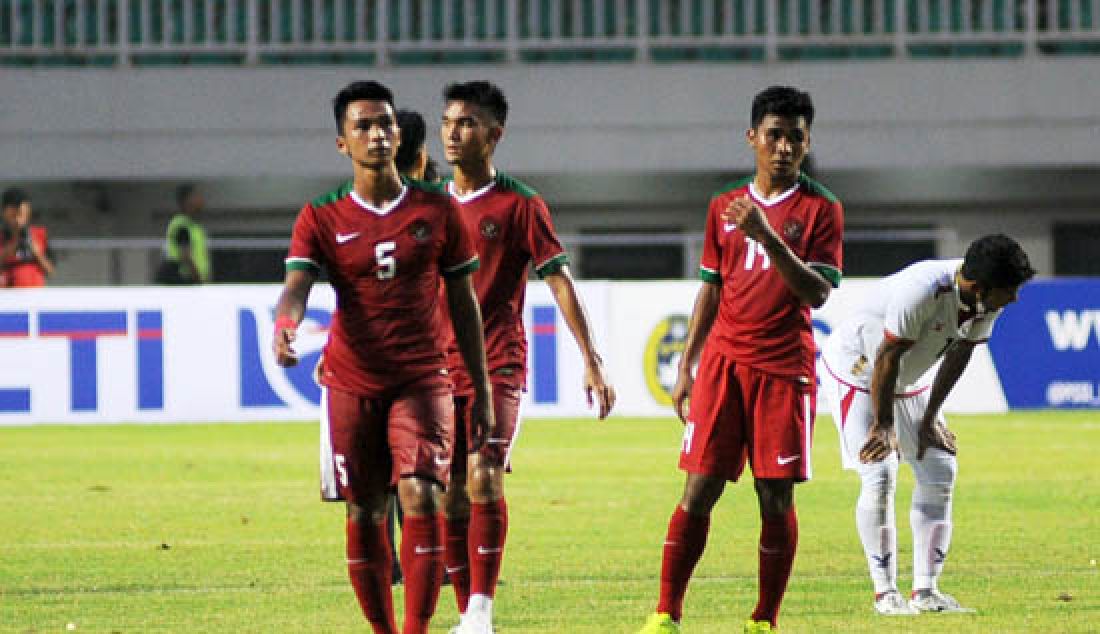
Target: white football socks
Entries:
(877, 525)
(930, 518)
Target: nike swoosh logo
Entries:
(497, 441)
(481, 550)
(729, 226)
(787, 459)
(423, 550)
(341, 238)
(451, 571)
(441, 462)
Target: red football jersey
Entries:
(21, 270)
(511, 225)
(385, 267)
(760, 322)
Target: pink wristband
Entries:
(284, 322)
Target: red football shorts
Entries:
(368, 444)
(498, 450)
(738, 414)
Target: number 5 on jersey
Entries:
(387, 262)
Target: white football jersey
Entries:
(921, 304)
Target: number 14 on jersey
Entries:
(754, 252)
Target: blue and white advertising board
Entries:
(1046, 347)
(150, 354)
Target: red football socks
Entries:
(687, 537)
(778, 543)
(458, 560)
(369, 566)
(422, 562)
(488, 532)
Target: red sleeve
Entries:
(459, 256)
(305, 249)
(541, 240)
(824, 250)
(710, 266)
(39, 235)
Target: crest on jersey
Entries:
(489, 229)
(792, 229)
(420, 230)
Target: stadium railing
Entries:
(400, 32)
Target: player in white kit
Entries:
(886, 402)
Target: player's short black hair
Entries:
(483, 94)
(413, 133)
(431, 171)
(782, 101)
(358, 91)
(997, 261)
(184, 191)
(13, 197)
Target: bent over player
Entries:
(387, 401)
(772, 249)
(883, 403)
(512, 226)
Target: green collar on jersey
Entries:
(807, 183)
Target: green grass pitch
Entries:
(218, 528)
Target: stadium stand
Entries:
(407, 32)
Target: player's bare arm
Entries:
(289, 310)
(468, 329)
(40, 258)
(702, 318)
(807, 284)
(931, 432)
(881, 439)
(596, 385)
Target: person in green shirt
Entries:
(187, 258)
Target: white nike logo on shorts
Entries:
(729, 226)
(341, 238)
(424, 550)
(451, 571)
(441, 462)
(481, 550)
(787, 459)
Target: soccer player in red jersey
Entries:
(512, 226)
(387, 400)
(772, 249)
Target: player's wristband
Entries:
(284, 322)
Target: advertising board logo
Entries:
(544, 353)
(663, 350)
(1055, 327)
(262, 382)
(83, 329)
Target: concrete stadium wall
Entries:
(244, 122)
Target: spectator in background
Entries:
(186, 257)
(24, 249)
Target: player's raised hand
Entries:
(880, 443)
(748, 217)
(598, 388)
(286, 331)
(681, 394)
(935, 434)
